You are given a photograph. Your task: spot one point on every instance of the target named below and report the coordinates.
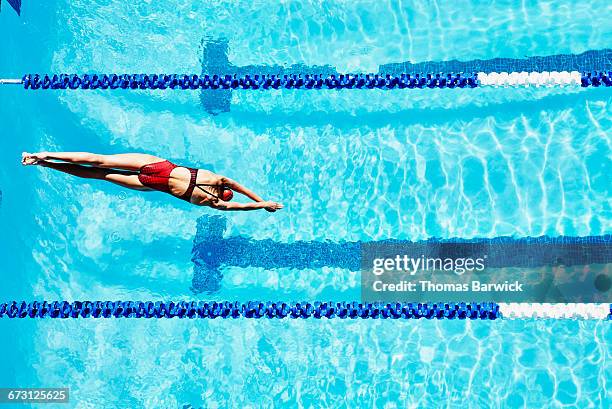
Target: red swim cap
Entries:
(227, 195)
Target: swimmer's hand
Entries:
(273, 206)
(232, 206)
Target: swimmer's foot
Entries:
(31, 158)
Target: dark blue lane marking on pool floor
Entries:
(215, 60)
(15, 4)
(212, 251)
(587, 61)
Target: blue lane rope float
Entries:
(256, 81)
(311, 81)
(251, 309)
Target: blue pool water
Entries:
(349, 166)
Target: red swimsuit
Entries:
(156, 175)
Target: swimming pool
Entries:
(349, 166)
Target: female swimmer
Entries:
(144, 172)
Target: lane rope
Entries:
(301, 310)
(251, 309)
(312, 81)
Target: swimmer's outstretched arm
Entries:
(269, 206)
(237, 187)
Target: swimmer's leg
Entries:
(118, 177)
(126, 161)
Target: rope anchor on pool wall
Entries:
(311, 81)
